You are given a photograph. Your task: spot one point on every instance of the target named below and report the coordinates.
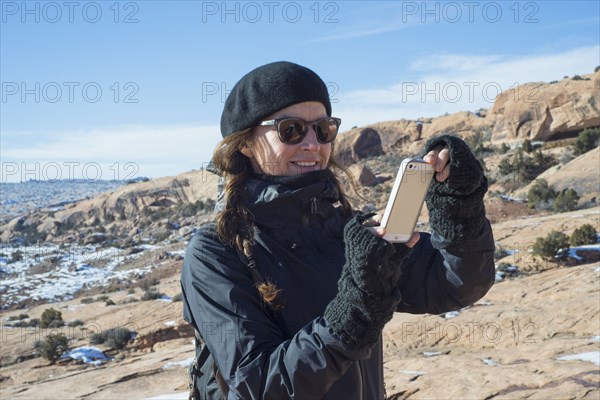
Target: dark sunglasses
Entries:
(293, 130)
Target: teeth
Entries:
(307, 164)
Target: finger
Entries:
(443, 174)
(376, 230)
(377, 218)
(413, 239)
(442, 159)
(373, 221)
(432, 156)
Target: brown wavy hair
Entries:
(235, 223)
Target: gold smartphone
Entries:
(406, 200)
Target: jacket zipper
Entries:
(314, 208)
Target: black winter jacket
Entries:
(292, 353)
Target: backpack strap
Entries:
(203, 373)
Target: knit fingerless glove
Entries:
(368, 287)
(455, 206)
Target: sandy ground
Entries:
(507, 346)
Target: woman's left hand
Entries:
(374, 225)
(439, 158)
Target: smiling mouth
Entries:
(306, 163)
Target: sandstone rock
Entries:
(359, 144)
(185, 231)
(126, 203)
(541, 111)
(581, 173)
(94, 238)
(363, 175)
(461, 123)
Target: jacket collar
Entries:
(278, 200)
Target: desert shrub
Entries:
(585, 234)
(577, 78)
(30, 233)
(115, 338)
(177, 297)
(55, 324)
(147, 283)
(566, 200)
(587, 140)
(151, 294)
(77, 322)
(597, 68)
(209, 205)
(87, 300)
(51, 318)
(503, 149)
(109, 302)
(54, 346)
(478, 142)
(548, 246)
(16, 256)
(539, 163)
(540, 195)
(32, 323)
(161, 235)
(18, 317)
(191, 209)
(527, 146)
(522, 168)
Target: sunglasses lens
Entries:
(292, 130)
(327, 129)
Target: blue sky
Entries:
(116, 89)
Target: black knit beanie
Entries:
(268, 89)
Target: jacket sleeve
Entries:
(441, 275)
(250, 350)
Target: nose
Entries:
(310, 142)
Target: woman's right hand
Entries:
(373, 224)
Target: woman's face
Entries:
(271, 156)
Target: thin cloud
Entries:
(153, 150)
(357, 33)
(452, 83)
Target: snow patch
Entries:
(89, 355)
(591, 356)
(173, 396)
(409, 372)
(178, 364)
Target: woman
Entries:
(288, 290)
